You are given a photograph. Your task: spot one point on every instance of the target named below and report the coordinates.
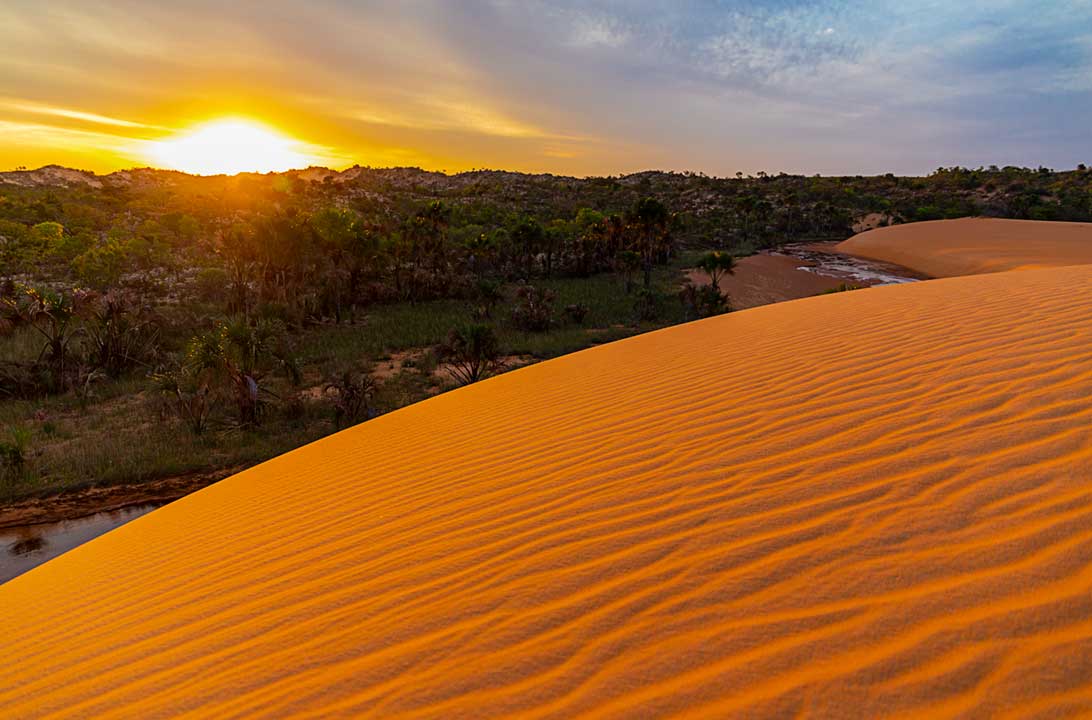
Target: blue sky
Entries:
(595, 87)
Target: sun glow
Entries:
(226, 147)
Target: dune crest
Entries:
(869, 503)
(971, 246)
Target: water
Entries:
(824, 261)
(26, 546)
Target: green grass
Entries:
(403, 326)
(386, 329)
(23, 344)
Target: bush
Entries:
(13, 454)
(186, 394)
(352, 390)
(533, 310)
(647, 305)
(702, 301)
(471, 353)
(576, 313)
(487, 293)
(120, 332)
(212, 284)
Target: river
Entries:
(26, 546)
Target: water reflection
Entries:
(27, 546)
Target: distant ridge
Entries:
(56, 175)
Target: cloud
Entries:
(25, 106)
(598, 86)
(55, 138)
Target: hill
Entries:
(741, 212)
(868, 503)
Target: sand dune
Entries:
(870, 503)
(969, 246)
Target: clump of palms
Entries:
(232, 359)
(650, 223)
(470, 353)
(119, 332)
(352, 389)
(701, 301)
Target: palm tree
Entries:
(235, 353)
(435, 220)
(745, 206)
(628, 262)
(480, 250)
(716, 265)
(471, 353)
(52, 315)
(527, 237)
(650, 221)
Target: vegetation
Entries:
(471, 353)
(154, 323)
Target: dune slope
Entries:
(970, 246)
(869, 503)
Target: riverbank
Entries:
(75, 504)
(801, 270)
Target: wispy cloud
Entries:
(576, 85)
(25, 106)
(69, 139)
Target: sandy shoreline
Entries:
(777, 276)
(76, 504)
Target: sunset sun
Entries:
(226, 147)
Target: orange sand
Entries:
(861, 504)
(946, 248)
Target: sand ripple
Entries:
(870, 503)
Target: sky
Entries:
(582, 87)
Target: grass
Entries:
(23, 344)
(120, 436)
(403, 326)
